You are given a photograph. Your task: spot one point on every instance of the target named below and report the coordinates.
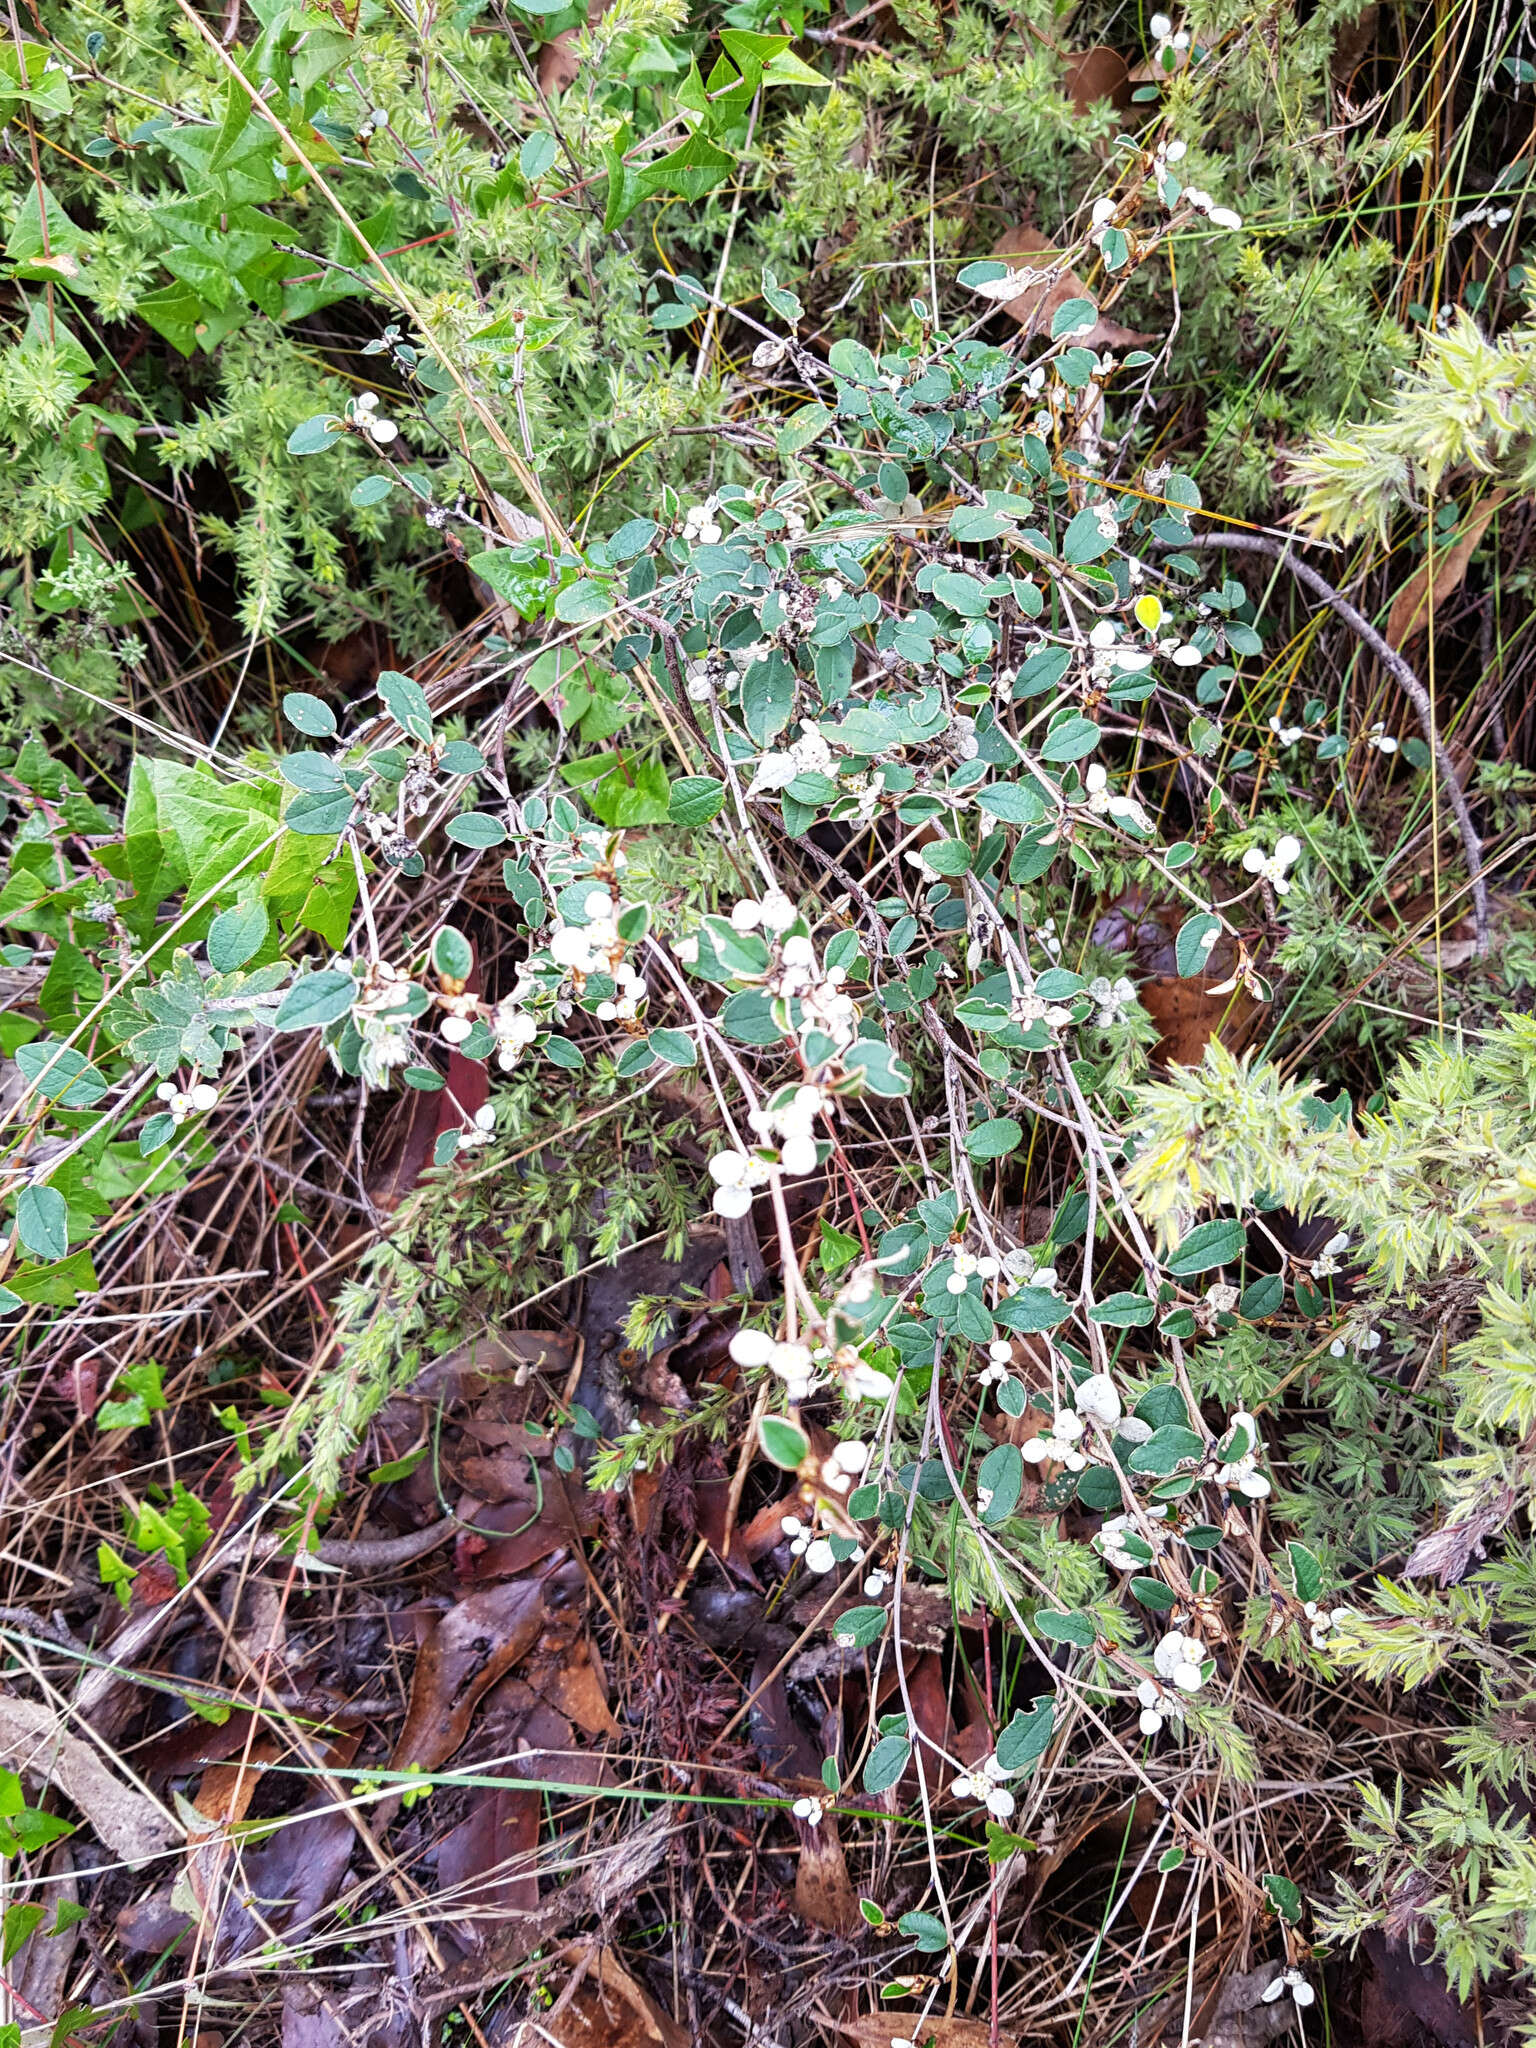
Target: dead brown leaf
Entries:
(607, 2009)
(485, 1866)
(1097, 74)
(1028, 249)
(578, 1687)
(128, 1821)
(880, 2029)
(824, 1893)
(40, 1973)
(1411, 608)
(473, 1645)
(559, 66)
(1189, 1014)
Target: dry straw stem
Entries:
(1401, 674)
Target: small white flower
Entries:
(455, 1029)
(203, 1096)
(1274, 866)
(808, 1810)
(1098, 1398)
(1224, 217)
(1379, 738)
(751, 1347)
(819, 1557)
(1326, 1264)
(776, 912)
(1160, 27)
(383, 431)
(1178, 1658)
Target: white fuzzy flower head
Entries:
(1178, 1659)
(1098, 1398)
(1274, 867)
(1290, 1980)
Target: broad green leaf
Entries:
(536, 155)
(406, 703)
(1001, 1473)
(1218, 1243)
(315, 435)
(885, 1763)
(1066, 1628)
(994, 1139)
(1197, 936)
(316, 1000)
(1027, 1736)
(309, 714)
(237, 935)
(784, 1442)
(695, 799)
(860, 1626)
(475, 828)
(1088, 537)
(42, 1222)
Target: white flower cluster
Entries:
(376, 118)
(1361, 1342)
(1323, 1621)
(596, 948)
(700, 527)
(1105, 804)
(1179, 1663)
(987, 1786)
(1242, 1475)
(1289, 1980)
(180, 1103)
(807, 755)
(1000, 1358)
(1046, 937)
(1218, 216)
(373, 423)
(1167, 153)
(844, 1463)
(967, 1266)
(1111, 1540)
(1327, 1262)
(790, 1359)
(1274, 867)
(811, 1811)
(804, 1542)
(1379, 738)
(1112, 998)
(515, 1030)
(774, 912)
(789, 1120)
(1098, 1398)
(816, 1550)
(481, 1129)
(1059, 1446)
